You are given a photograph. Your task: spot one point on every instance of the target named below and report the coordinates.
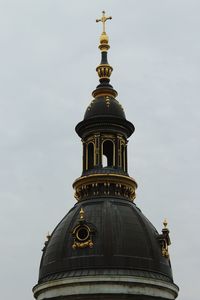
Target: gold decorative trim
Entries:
(90, 139)
(90, 105)
(96, 150)
(82, 239)
(107, 100)
(165, 240)
(78, 235)
(107, 136)
(105, 184)
(109, 176)
(82, 214)
(104, 71)
(82, 245)
(104, 92)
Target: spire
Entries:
(104, 70)
(104, 132)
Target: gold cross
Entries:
(103, 20)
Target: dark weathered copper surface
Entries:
(100, 107)
(124, 240)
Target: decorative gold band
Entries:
(105, 185)
(104, 71)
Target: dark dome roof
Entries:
(124, 241)
(104, 106)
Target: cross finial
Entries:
(103, 20)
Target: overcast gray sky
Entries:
(48, 55)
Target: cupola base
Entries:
(106, 287)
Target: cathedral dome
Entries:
(123, 242)
(104, 106)
(105, 248)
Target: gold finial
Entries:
(165, 223)
(82, 214)
(165, 239)
(104, 46)
(103, 20)
(48, 236)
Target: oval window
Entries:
(82, 233)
